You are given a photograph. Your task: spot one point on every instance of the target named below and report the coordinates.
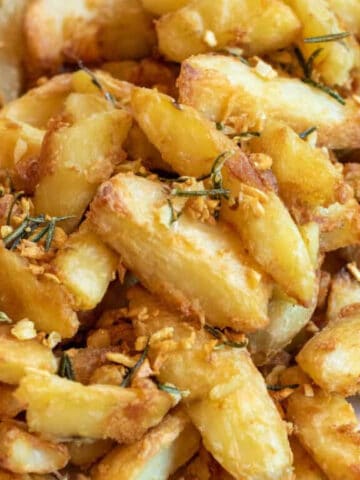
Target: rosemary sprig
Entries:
(4, 318)
(307, 132)
(331, 37)
(248, 134)
(131, 372)
(278, 388)
(219, 126)
(223, 192)
(66, 369)
(307, 67)
(17, 195)
(107, 95)
(166, 387)
(174, 215)
(235, 52)
(27, 227)
(220, 335)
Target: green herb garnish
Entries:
(4, 318)
(278, 388)
(26, 229)
(201, 193)
(219, 126)
(66, 368)
(131, 372)
(107, 95)
(225, 342)
(235, 52)
(174, 215)
(307, 132)
(17, 195)
(168, 388)
(335, 95)
(331, 37)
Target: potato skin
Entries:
(94, 411)
(332, 357)
(220, 87)
(157, 455)
(40, 299)
(250, 441)
(21, 452)
(256, 26)
(131, 214)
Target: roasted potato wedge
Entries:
(256, 26)
(348, 12)
(16, 356)
(84, 452)
(221, 87)
(94, 411)
(304, 466)
(41, 299)
(157, 455)
(344, 296)
(22, 452)
(132, 215)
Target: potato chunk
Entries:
(41, 299)
(10, 407)
(337, 59)
(18, 355)
(226, 396)
(327, 427)
(63, 408)
(348, 12)
(74, 161)
(256, 26)
(57, 32)
(190, 144)
(294, 160)
(86, 266)
(222, 87)
(332, 357)
(344, 296)
(22, 452)
(304, 466)
(132, 215)
(157, 455)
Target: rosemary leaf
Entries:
(335, 95)
(307, 132)
(168, 388)
(310, 62)
(4, 318)
(278, 388)
(219, 126)
(174, 215)
(214, 331)
(201, 193)
(235, 52)
(107, 95)
(17, 233)
(331, 37)
(225, 342)
(17, 195)
(130, 374)
(50, 234)
(66, 368)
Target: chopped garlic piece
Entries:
(24, 330)
(120, 358)
(210, 39)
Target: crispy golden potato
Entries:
(16, 356)
(332, 357)
(159, 7)
(77, 159)
(6, 475)
(41, 299)
(10, 407)
(132, 215)
(64, 408)
(157, 455)
(348, 12)
(85, 452)
(249, 442)
(79, 106)
(19, 155)
(11, 51)
(40, 104)
(221, 87)
(86, 266)
(344, 296)
(304, 466)
(58, 32)
(337, 59)
(202, 467)
(294, 160)
(327, 427)
(339, 225)
(256, 26)
(21, 452)
(190, 144)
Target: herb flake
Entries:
(66, 369)
(307, 132)
(278, 388)
(331, 37)
(131, 372)
(107, 95)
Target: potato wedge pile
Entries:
(179, 239)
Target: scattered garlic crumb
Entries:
(308, 390)
(53, 339)
(210, 39)
(24, 330)
(52, 277)
(5, 230)
(261, 161)
(265, 70)
(140, 343)
(165, 333)
(120, 358)
(290, 428)
(353, 269)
